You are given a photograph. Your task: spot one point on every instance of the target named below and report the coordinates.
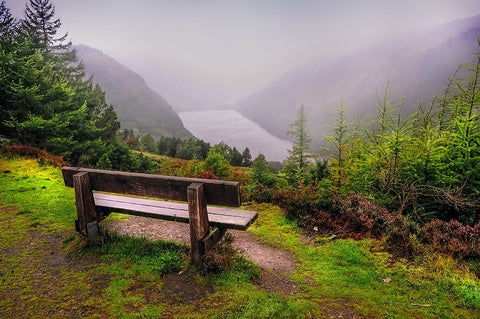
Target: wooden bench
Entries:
(208, 224)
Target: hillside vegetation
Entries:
(49, 271)
(137, 106)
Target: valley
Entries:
(235, 130)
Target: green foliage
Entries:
(216, 164)
(341, 143)
(298, 160)
(147, 144)
(123, 277)
(260, 172)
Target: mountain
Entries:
(137, 106)
(415, 67)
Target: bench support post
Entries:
(198, 220)
(86, 213)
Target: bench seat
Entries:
(217, 216)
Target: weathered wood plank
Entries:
(84, 201)
(199, 226)
(218, 216)
(216, 192)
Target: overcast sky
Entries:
(242, 44)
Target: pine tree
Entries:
(41, 27)
(8, 23)
(236, 158)
(246, 158)
(340, 142)
(298, 160)
(261, 173)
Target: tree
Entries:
(261, 173)
(236, 158)
(246, 158)
(340, 143)
(188, 149)
(224, 149)
(41, 27)
(216, 164)
(8, 23)
(148, 144)
(298, 160)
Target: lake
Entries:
(235, 130)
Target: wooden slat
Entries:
(199, 227)
(85, 204)
(217, 216)
(217, 192)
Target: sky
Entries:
(234, 46)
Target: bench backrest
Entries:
(216, 192)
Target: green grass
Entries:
(434, 286)
(48, 270)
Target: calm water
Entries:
(235, 130)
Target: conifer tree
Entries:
(261, 173)
(7, 23)
(340, 143)
(246, 158)
(41, 27)
(298, 160)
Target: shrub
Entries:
(42, 156)
(221, 257)
(300, 204)
(358, 215)
(453, 238)
(260, 193)
(402, 239)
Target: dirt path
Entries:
(277, 264)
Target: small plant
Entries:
(300, 204)
(453, 238)
(358, 215)
(221, 257)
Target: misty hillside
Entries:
(416, 67)
(137, 106)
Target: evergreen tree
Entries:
(148, 144)
(298, 160)
(261, 173)
(236, 158)
(216, 164)
(41, 27)
(340, 143)
(189, 149)
(8, 23)
(224, 150)
(246, 158)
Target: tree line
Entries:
(189, 149)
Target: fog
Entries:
(202, 54)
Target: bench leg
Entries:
(199, 227)
(86, 213)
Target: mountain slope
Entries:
(137, 106)
(414, 67)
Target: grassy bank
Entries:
(48, 271)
